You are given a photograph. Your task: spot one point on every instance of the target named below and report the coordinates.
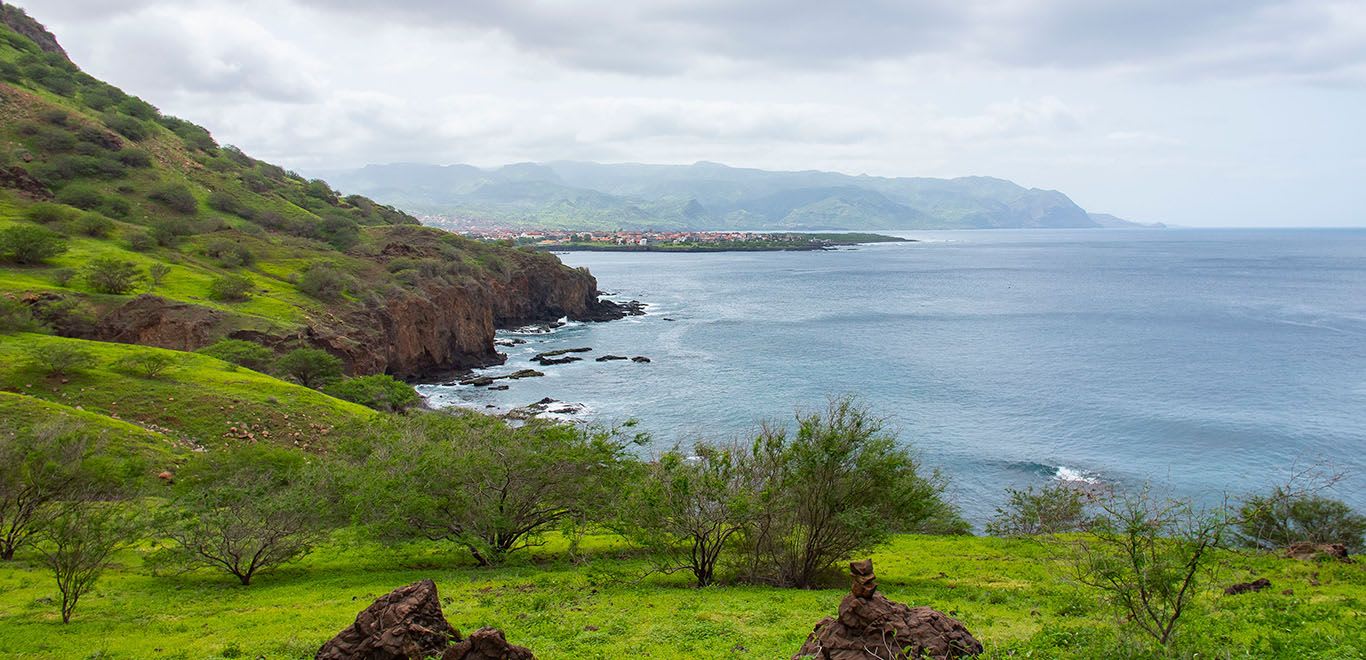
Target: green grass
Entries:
(22, 414)
(1011, 594)
(202, 399)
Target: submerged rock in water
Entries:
(609, 358)
(508, 341)
(607, 310)
(524, 373)
(641, 359)
(561, 351)
(548, 361)
(870, 626)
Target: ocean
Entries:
(1207, 363)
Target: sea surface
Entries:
(1204, 362)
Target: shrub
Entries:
(26, 244)
(231, 288)
(136, 107)
(229, 253)
(1281, 517)
(167, 232)
(310, 367)
(156, 273)
(379, 391)
(10, 73)
(225, 202)
(176, 197)
(97, 137)
(17, 317)
(60, 359)
(81, 196)
(245, 510)
(1055, 508)
(116, 207)
(836, 488)
(483, 485)
(127, 127)
(147, 364)
(688, 510)
(53, 140)
(112, 275)
(38, 466)
(134, 158)
(339, 231)
(66, 316)
(93, 225)
(324, 282)
(240, 352)
(141, 241)
(48, 213)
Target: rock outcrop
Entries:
(870, 626)
(408, 623)
(20, 22)
(1244, 587)
(154, 321)
(1310, 551)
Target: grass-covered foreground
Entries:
(1012, 594)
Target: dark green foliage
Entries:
(17, 317)
(60, 359)
(379, 391)
(166, 232)
(92, 224)
(479, 483)
(324, 282)
(141, 241)
(245, 510)
(38, 466)
(93, 135)
(176, 197)
(50, 139)
(67, 316)
(241, 352)
(147, 364)
(65, 168)
(112, 275)
(10, 73)
(138, 108)
(339, 231)
(227, 203)
(27, 244)
(193, 135)
(134, 157)
(229, 253)
(310, 367)
(836, 488)
(1053, 509)
(55, 116)
(231, 288)
(127, 127)
(63, 276)
(48, 213)
(1281, 517)
(688, 510)
(98, 98)
(156, 273)
(82, 196)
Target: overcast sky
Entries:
(1195, 112)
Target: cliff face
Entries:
(20, 22)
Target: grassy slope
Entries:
(202, 400)
(1009, 594)
(23, 413)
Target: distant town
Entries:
(672, 241)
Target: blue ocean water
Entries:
(1203, 361)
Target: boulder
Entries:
(547, 361)
(1310, 551)
(870, 626)
(1244, 587)
(405, 623)
(525, 373)
(609, 358)
(641, 359)
(559, 352)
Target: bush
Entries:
(48, 213)
(167, 232)
(26, 244)
(38, 466)
(112, 275)
(116, 207)
(60, 359)
(231, 288)
(81, 196)
(225, 202)
(136, 107)
(324, 282)
(246, 510)
(17, 317)
(127, 127)
(176, 197)
(157, 272)
(688, 510)
(141, 241)
(339, 231)
(53, 140)
(98, 138)
(240, 352)
(483, 485)
(836, 488)
(310, 367)
(379, 391)
(134, 158)
(93, 225)
(68, 316)
(229, 253)
(1280, 518)
(148, 364)
(1055, 508)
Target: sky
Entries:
(1190, 112)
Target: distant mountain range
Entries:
(584, 195)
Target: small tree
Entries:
(156, 273)
(479, 483)
(1149, 556)
(687, 510)
(148, 364)
(244, 353)
(112, 275)
(1282, 517)
(231, 288)
(79, 542)
(379, 391)
(27, 244)
(310, 367)
(1055, 508)
(38, 466)
(838, 487)
(17, 317)
(246, 510)
(60, 359)
(324, 282)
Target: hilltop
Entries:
(588, 196)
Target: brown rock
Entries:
(1244, 587)
(870, 626)
(405, 623)
(155, 321)
(1310, 551)
(487, 644)
(18, 178)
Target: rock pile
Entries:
(408, 623)
(870, 626)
